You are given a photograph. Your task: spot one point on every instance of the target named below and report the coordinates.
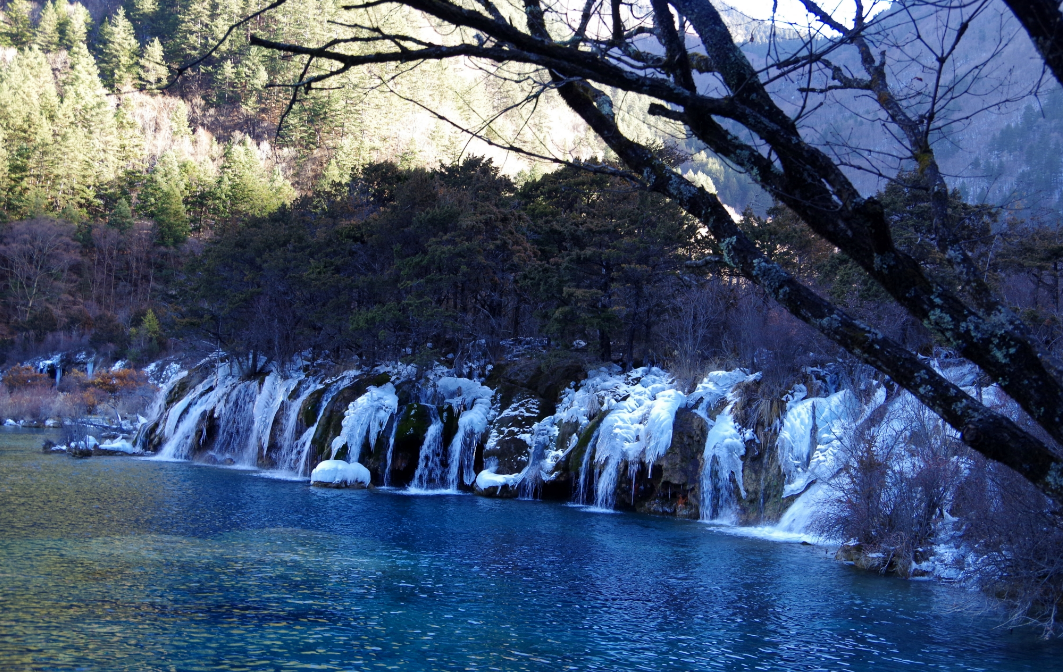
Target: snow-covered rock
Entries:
(340, 474)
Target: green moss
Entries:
(380, 379)
(312, 407)
(413, 423)
(575, 458)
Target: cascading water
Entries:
(158, 407)
(391, 448)
(429, 474)
(235, 423)
(724, 447)
(290, 458)
(585, 489)
(302, 446)
(184, 418)
(275, 390)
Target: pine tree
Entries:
(17, 29)
(122, 216)
(4, 186)
(74, 30)
(143, 14)
(162, 199)
(245, 187)
(47, 34)
(171, 220)
(193, 31)
(29, 102)
(153, 70)
(88, 147)
(225, 14)
(118, 51)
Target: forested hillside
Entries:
(356, 214)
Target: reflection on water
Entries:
(115, 563)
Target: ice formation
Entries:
(813, 436)
(472, 401)
(365, 418)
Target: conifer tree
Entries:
(17, 29)
(244, 186)
(74, 30)
(29, 101)
(4, 187)
(88, 147)
(162, 199)
(171, 220)
(153, 71)
(46, 36)
(225, 14)
(143, 13)
(193, 30)
(118, 51)
(122, 216)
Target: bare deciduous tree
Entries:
(36, 257)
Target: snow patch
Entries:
(338, 472)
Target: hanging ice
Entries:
(472, 401)
(725, 446)
(364, 419)
(812, 436)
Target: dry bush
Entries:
(35, 403)
(21, 377)
(892, 491)
(727, 323)
(1020, 540)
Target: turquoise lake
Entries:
(128, 564)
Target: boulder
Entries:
(340, 474)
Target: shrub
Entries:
(19, 377)
(1019, 538)
(895, 487)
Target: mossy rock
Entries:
(375, 457)
(673, 486)
(574, 462)
(450, 423)
(509, 453)
(414, 421)
(312, 407)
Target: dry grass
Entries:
(35, 403)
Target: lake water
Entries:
(119, 563)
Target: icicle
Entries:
(364, 419)
(585, 488)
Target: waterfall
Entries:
(544, 434)
(391, 448)
(157, 409)
(182, 420)
(724, 447)
(302, 446)
(472, 402)
(429, 472)
(586, 483)
(290, 459)
(235, 416)
(275, 390)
